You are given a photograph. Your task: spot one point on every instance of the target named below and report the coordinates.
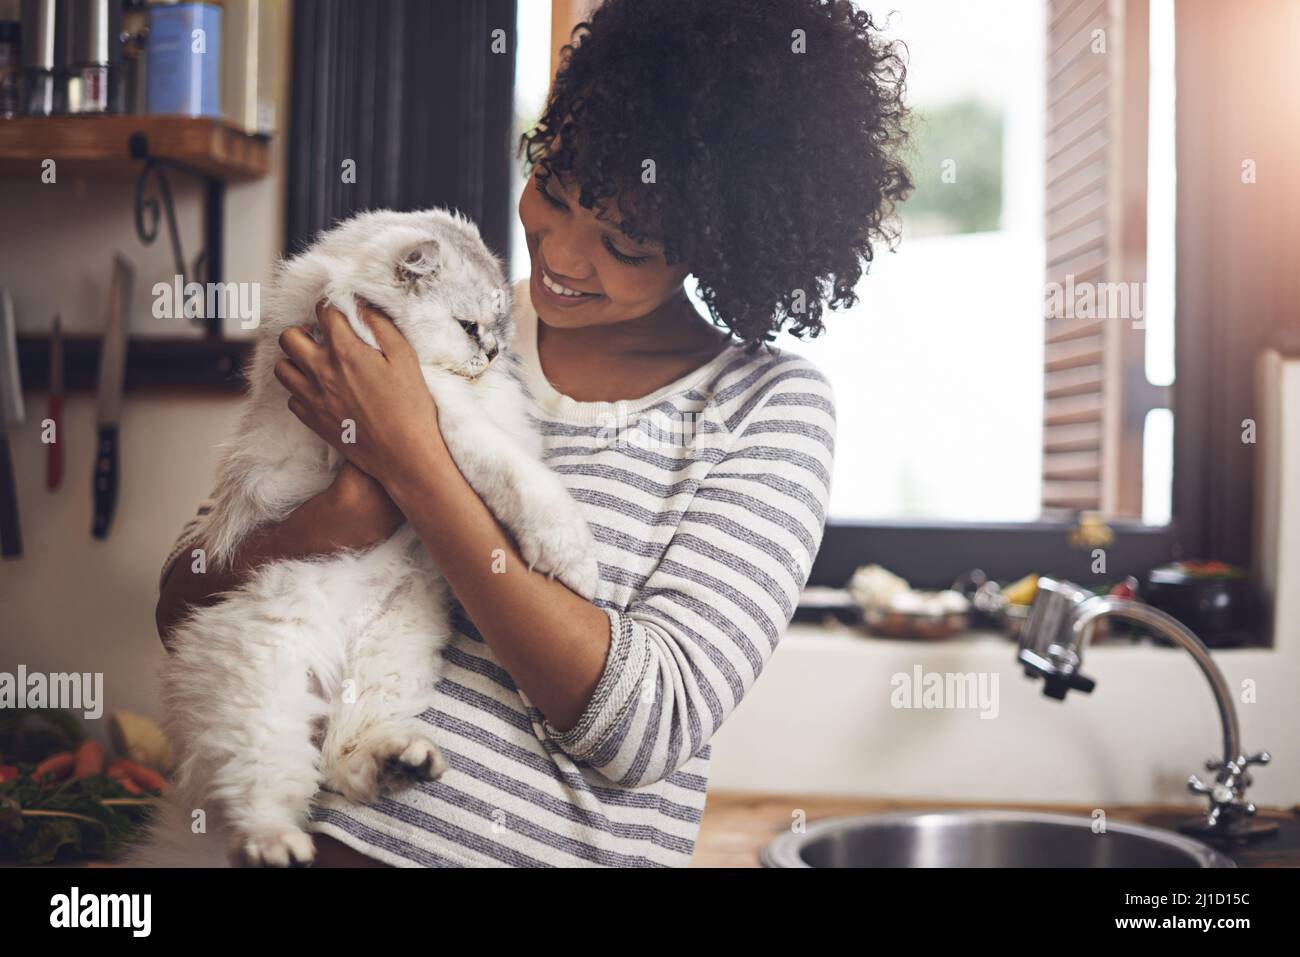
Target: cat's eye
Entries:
(471, 328)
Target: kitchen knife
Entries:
(11, 414)
(54, 461)
(112, 369)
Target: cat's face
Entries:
(433, 276)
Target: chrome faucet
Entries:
(1052, 645)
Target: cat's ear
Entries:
(418, 263)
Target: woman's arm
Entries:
(353, 512)
(553, 643)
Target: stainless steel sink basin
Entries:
(984, 839)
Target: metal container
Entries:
(89, 44)
(979, 838)
(40, 60)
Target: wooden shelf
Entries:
(147, 149)
(205, 365)
(100, 145)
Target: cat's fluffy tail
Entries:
(170, 840)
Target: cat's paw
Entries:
(420, 760)
(563, 550)
(291, 848)
(581, 576)
(385, 761)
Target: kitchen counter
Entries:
(736, 826)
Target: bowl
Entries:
(915, 626)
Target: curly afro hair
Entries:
(774, 128)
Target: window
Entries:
(939, 366)
(532, 79)
(995, 381)
(1020, 164)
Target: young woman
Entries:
(748, 145)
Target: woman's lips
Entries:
(558, 299)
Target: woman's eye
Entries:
(546, 194)
(624, 258)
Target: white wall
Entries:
(72, 603)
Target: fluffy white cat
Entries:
(313, 672)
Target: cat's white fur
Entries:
(314, 672)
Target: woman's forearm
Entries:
(343, 516)
(552, 642)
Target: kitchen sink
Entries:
(984, 839)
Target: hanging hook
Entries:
(151, 209)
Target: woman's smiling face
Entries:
(572, 251)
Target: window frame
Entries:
(935, 554)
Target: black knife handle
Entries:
(105, 480)
(11, 537)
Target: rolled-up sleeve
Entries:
(699, 631)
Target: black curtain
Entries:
(413, 93)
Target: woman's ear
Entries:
(419, 263)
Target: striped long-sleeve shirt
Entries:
(707, 501)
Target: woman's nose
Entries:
(565, 261)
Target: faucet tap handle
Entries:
(1057, 685)
(1219, 793)
(1227, 795)
(1237, 768)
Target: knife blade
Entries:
(11, 414)
(54, 460)
(112, 370)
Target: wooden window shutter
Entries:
(1095, 227)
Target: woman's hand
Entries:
(354, 512)
(372, 406)
(359, 511)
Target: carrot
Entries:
(147, 778)
(8, 772)
(57, 765)
(89, 760)
(115, 772)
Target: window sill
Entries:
(977, 643)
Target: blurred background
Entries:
(1082, 359)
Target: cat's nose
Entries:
(492, 353)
